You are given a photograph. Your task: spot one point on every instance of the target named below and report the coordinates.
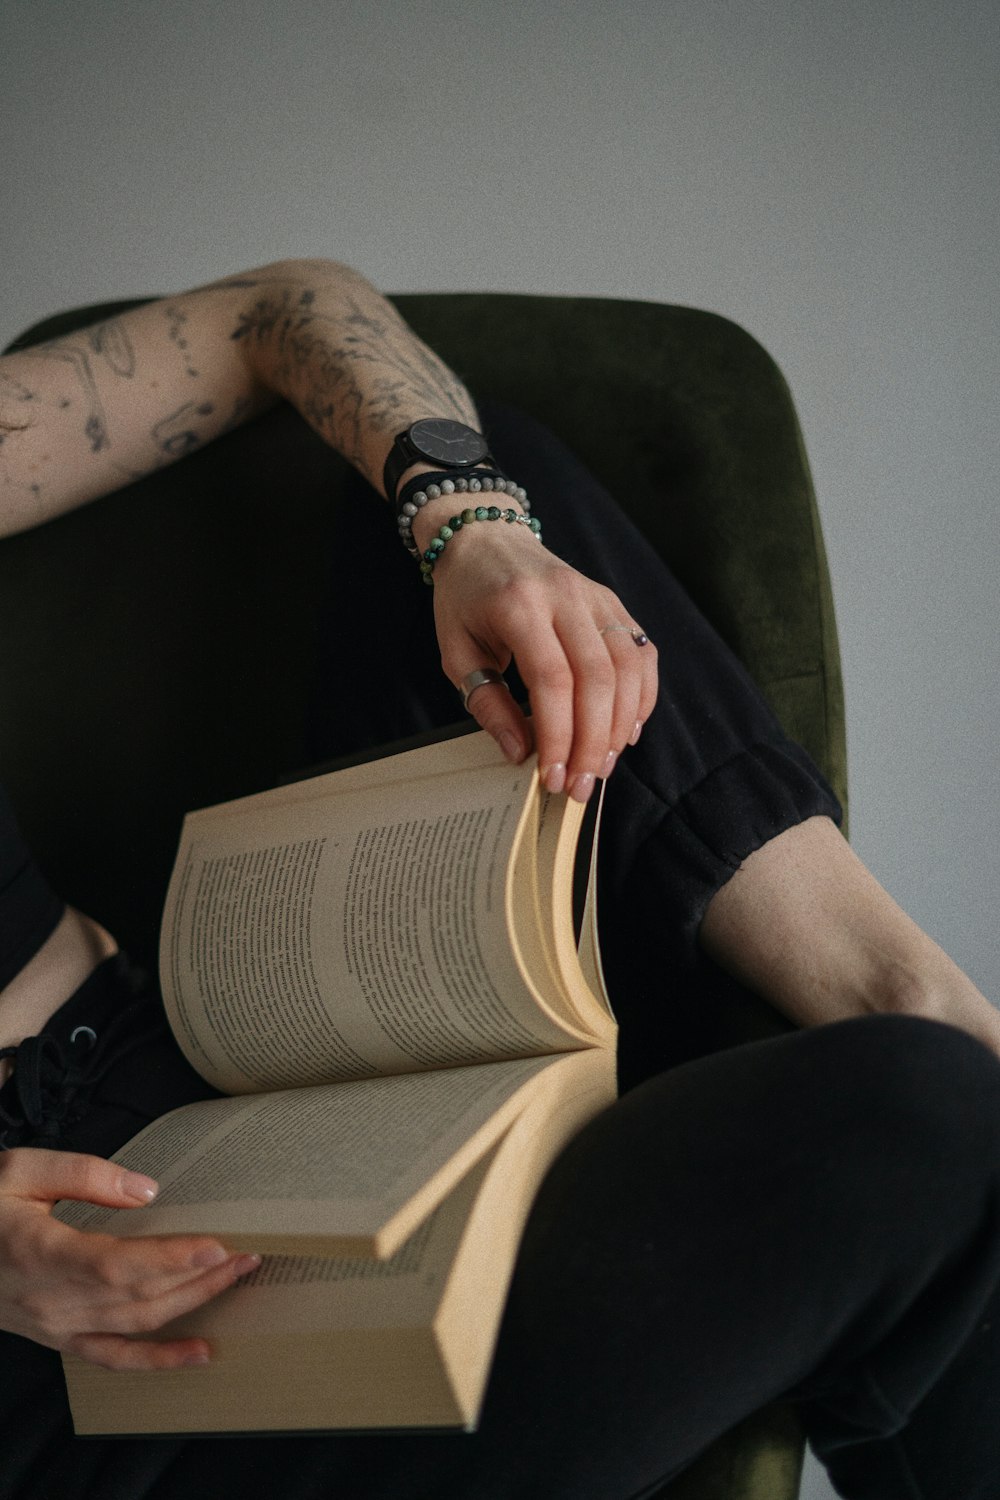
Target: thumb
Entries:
(46, 1176)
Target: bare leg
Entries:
(68, 956)
(806, 925)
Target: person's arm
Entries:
(85, 414)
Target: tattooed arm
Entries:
(86, 414)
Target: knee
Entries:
(917, 1090)
(904, 1053)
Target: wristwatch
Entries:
(438, 441)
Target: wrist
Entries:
(496, 527)
(423, 467)
(437, 513)
(459, 489)
(440, 442)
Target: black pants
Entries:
(814, 1216)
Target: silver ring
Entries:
(639, 636)
(481, 677)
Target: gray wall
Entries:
(826, 175)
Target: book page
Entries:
(557, 840)
(589, 946)
(476, 751)
(472, 751)
(352, 1342)
(305, 1342)
(352, 935)
(306, 1293)
(345, 1168)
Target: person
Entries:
(812, 1217)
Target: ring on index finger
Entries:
(639, 636)
(481, 677)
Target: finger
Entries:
(101, 1294)
(108, 1271)
(114, 1352)
(650, 682)
(46, 1176)
(548, 676)
(636, 683)
(96, 1274)
(142, 1312)
(594, 685)
(649, 691)
(570, 676)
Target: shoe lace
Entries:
(49, 1077)
(44, 1083)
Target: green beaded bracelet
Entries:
(437, 544)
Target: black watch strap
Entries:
(406, 451)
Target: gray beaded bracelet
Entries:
(417, 492)
(438, 543)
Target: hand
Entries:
(500, 594)
(86, 1293)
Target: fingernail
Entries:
(582, 786)
(609, 764)
(511, 747)
(201, 1358)
(634, 736)
(554, 777)
(209, 1256)
(246, 1264)
(139, 1188)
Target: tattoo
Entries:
(112, 342)
(16, 390)
(12, 390)
(269, 314)
(320, 357)
(178, 434)
(95, 425)
(176, 321)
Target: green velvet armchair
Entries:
(155, 648)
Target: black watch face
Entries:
(451, 444)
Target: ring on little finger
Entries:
(639, 636)
(481, 677)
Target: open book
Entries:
(379, 966)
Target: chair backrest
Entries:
(155, 647)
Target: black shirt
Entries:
(29, 908)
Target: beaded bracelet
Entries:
(438, 543)
(462, 480)
(416, 493)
